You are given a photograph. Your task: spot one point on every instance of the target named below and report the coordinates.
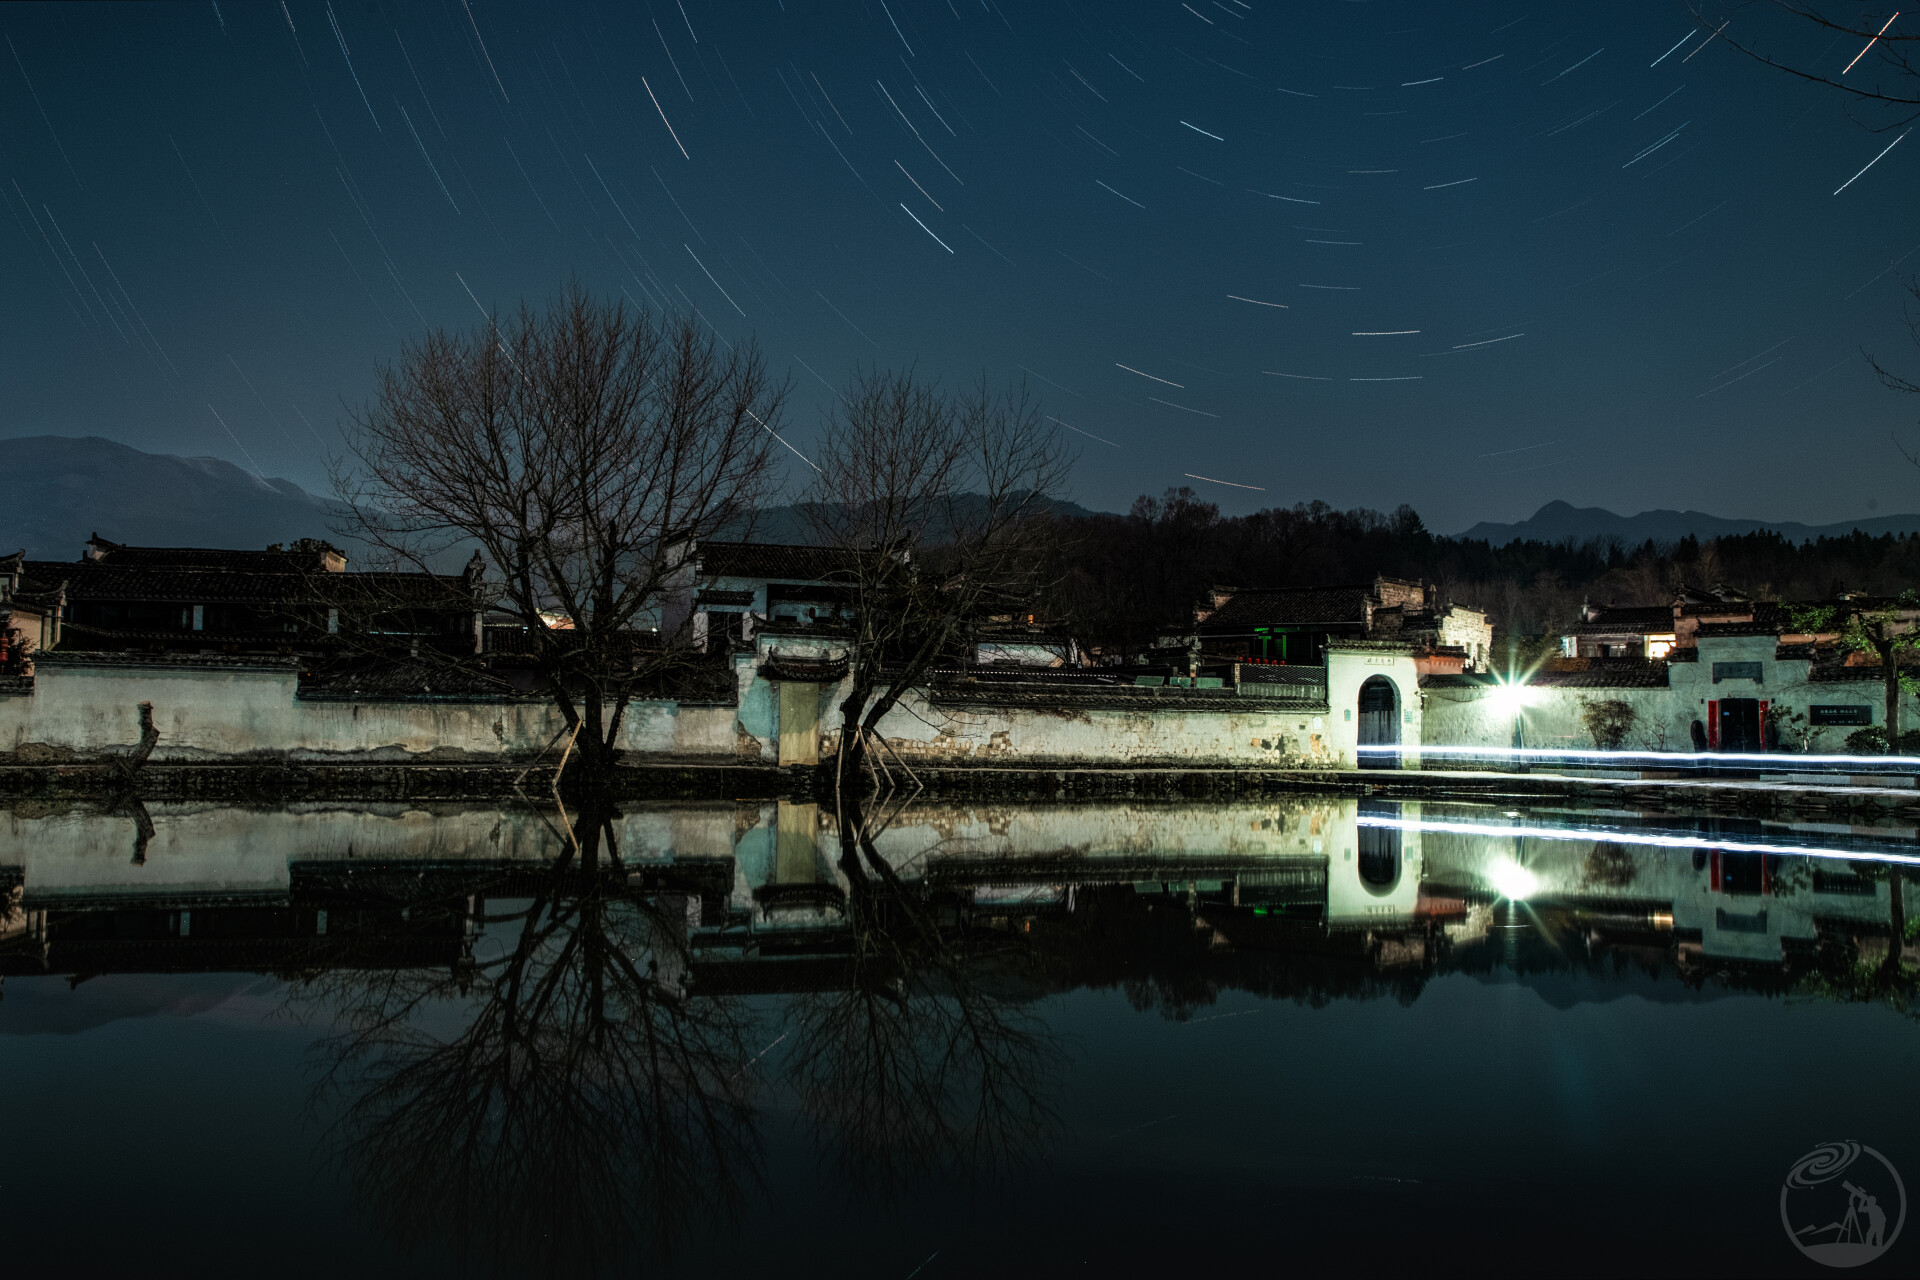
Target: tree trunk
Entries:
(590, 773)
(853, 744)
(1891, 669)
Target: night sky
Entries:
(1469, 257)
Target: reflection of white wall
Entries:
(225, 849)
(1354, 902)
(1567, 869)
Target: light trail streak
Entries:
(1876, 160)
(663, 117)
(1088, 434)
(717, 284)
(1669, 53)
(1130, 369)
(1230, 484)
(1256, 302)
(923, 226)
(1876, 36)
(1784, 761)
(1706, 42)
(1634, 837)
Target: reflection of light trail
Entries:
(1786, 762)
(1634, 837)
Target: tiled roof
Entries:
(1112, 698)
(1709, 630)
(1627, 618)
(185, 661)
(771, 560)
(101, 580)
(1843, 673)
(1290, 606)
(803, 670)
(1601, 673)
(213, 558)
(1634, 615)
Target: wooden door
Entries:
(799, 723)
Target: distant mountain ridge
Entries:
(60, 490)
(1559, 521)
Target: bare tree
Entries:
(585, 449)
(938, 503)
(1868, 59)
(922, 1065)
(559, 1105)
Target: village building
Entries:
(1295, 625)
(298, 599)
(727, 591)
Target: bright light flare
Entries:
(1513, 881)
(1509, 698)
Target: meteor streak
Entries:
(1876, 36)
(1876, 160)
(1130, 369)
(923, 226)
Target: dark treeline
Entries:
(1125, 579)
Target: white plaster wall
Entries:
(1552, 714)
(1248, 734)
(1347, 670)
(209, 714)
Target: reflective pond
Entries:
(733, 1039)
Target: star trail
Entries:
(221, 219)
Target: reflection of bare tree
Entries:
(920, 1065)
(559, 1104)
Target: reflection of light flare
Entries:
(1784, 760)
(1638, 837)
(1513, 881)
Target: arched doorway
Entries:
(1379, 723)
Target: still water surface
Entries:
(1006, 1039)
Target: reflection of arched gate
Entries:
(1379, 723)
(1378, 848)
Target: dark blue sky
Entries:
(221, 217)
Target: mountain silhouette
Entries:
(1561, 521)
(63, 489)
